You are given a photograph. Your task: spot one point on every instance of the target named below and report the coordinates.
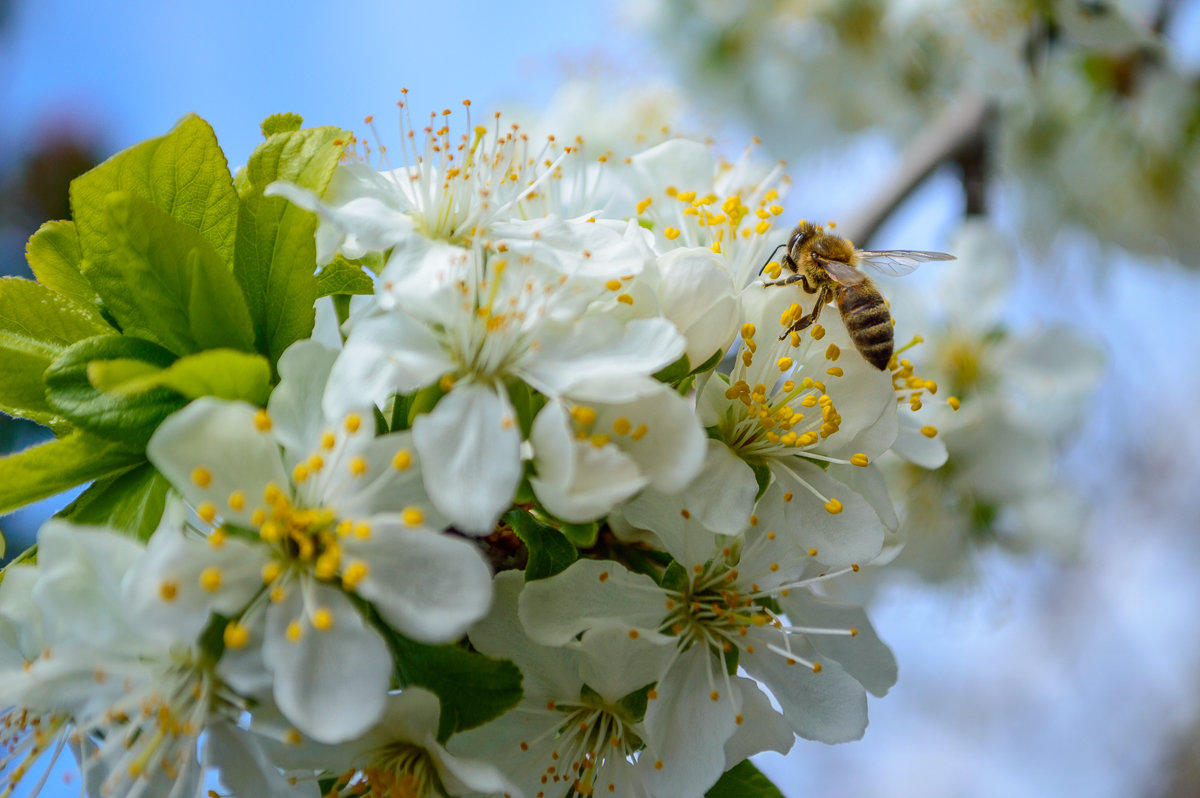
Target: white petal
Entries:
(671, 519)
(916, 448)
(303, 373)
(470, 452)
(332, 684)
(385, 354)
(245, 768)
(462, 776)
(427, 585)
(829, 706)
(679, 162)
(854, 535)
(723, 494)
(576, 480)
(597, 348)
(696, 293)
(590, 594)
(688, 730)
(863, 655)
(221, 438)
(762, 728)
(615, 664)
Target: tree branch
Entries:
(957, 133)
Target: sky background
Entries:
(1041, 680)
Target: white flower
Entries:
(712, 610)
(398, 756)
(793, 409)
(489, 324)
(333, 510)
(138, 698)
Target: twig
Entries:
(958, 131)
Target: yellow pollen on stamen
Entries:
(754, 520)
(168, 590)
(446, 382)
(835, 371)
(412, 516)
(201, 476)
(236, 635)
(816, 667)
(812, 552)
(362, 531)
(300, 472)
(633, 634)
(278, 594)
(640, 432)
(217, 539)
(237, 500)
(268, 532)
(328, 440)
(818, 332)
(358, 466)
(294, 631)
(210, 579)
(625, 299)
(714, 695)
(671, 233)
(784, 363)
(643, 205)
(271, 572)
(402, 460)
(292, 737)
(583, 415)
(929, 431)
(860, 460)
(355, 572)
(258, 517)
(833, 506)
(353, 422)
(322, 619)
(599, 440)
(622, 426)
(207, 511)
(954, 402)
(262, 420)
(613, 285)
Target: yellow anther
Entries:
(714, 696)
(354, 573)
(832, 352)
(929, 431)
(278, 594)
(236, 635)
(748, 330)
(258, 517)
(613, 285)
(639, 433)
(931, 386)
(412, 516)
(583, 415)
(776, 210)
(207, 511)
(271, 493)
(787, 497)
(600, 440)
(954, 402)
(168, 590)
(809, 401)
(217, 539)
(622, 426)
(671, 233)
(262, 420)
(762, 227)
(269, 532)
(292, 737)
(201, 476)
(353, 422)
(402, 460)
(316, 463)
(237, 500)
(794, 338)
(784, 363)
(300, 472)
(834, 371)
(818, 332)
(446, 382)
(643, 205)
(358, 466)
(685, 196)
(326, 566)
(294, 631)
(816, 667)
(860, 460)
(625, 299)
(322, 619)
(210, 579)
(754, 520)
(328, 440)
(271, 572)
(812, 552)
(362, 530)
(833, 506)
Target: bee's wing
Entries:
(840, 272)
(897, 262)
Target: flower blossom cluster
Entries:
(520, 453)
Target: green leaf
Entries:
(343, 277)
(473, 688)
(133, 419)
(281, 123)
(743, 780)
(164, 283)
(223, 373)
(762, 475)
(52, 467)
(184, 174)
(675, 372)
(131, 503)
(549, 552)
(276, 257)
(36, 326)
(711, 363)
(582, 536)
(55, 258)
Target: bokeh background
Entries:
(1037, 677)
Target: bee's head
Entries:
(803, 233)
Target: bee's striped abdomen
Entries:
(868, 322)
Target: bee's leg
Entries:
(808, 289)
(790, 280)
(804, 322)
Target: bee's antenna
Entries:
(771, 258)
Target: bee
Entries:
(828, 266)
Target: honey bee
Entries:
(828, 266)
